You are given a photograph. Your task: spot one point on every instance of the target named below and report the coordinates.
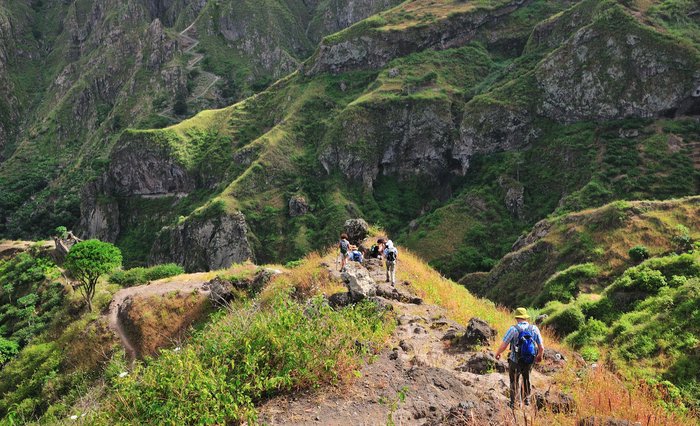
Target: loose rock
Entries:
(478, 333)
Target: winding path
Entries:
(192, 43)
(184, 283)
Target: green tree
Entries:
(180, 105)
(87, 261)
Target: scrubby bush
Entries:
(242, 358)
(8, 349)
(566, 321)
(590, 353)
(682, 239)
(137, 276)
(638, 253)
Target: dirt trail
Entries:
(185, 284)
(417, 380)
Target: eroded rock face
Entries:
(484, 363)
(204, 244)
(362, 51)
(146, 170)
(599, 74)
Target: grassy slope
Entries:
(200, 382)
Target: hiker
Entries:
(355, 255)
(344, 246)
(391, 255)
(526, 348)
(376, 250)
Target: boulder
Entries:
(357, 230)
(552, 362)
(483, 363)
(539, 319)
(222, 291)
(556, 402)
(298, 206)
(478, 333)
(339, 300)
(360, 285)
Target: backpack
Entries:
(391, 255)
(525, 348)
(374, 251)
(344, 245)
(356, 256)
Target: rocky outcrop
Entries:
(358, 282)
(357, 230)
(204, 243)
(142, 169)
(598, 74)
(298, 206)
(222, 290)
(364, 47)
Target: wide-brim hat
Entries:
(521, 313)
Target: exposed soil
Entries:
(183, 284)
(414, 380)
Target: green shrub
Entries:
(564, 285)
(603, 309)
(638, 253)
(138, 276)
(566, 321)
(8, 349)
(682, 239)
(245, 356)
(592, 333)
(590, 353)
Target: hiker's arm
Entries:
(500, 350)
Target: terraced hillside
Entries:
(458, 129)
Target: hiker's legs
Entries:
(391, 272)
(525, 370)
(387, 265)
(343, 260)
(514, 375)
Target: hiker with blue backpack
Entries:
(355, 255)
(526, 348)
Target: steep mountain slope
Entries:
(467, 121)
(588, 272)
(76, 73)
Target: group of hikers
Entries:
(383, 249)
(523, 339)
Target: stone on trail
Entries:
(339, 300)
(605, 421)
(483, 363)
(556, 402)
(390, 292)
(357, 230)
(358, 282)
(479, 333)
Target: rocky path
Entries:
(185, 283)
(424, 377)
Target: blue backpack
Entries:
(356, 256)
(526, 348)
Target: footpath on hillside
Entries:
(433, 372)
